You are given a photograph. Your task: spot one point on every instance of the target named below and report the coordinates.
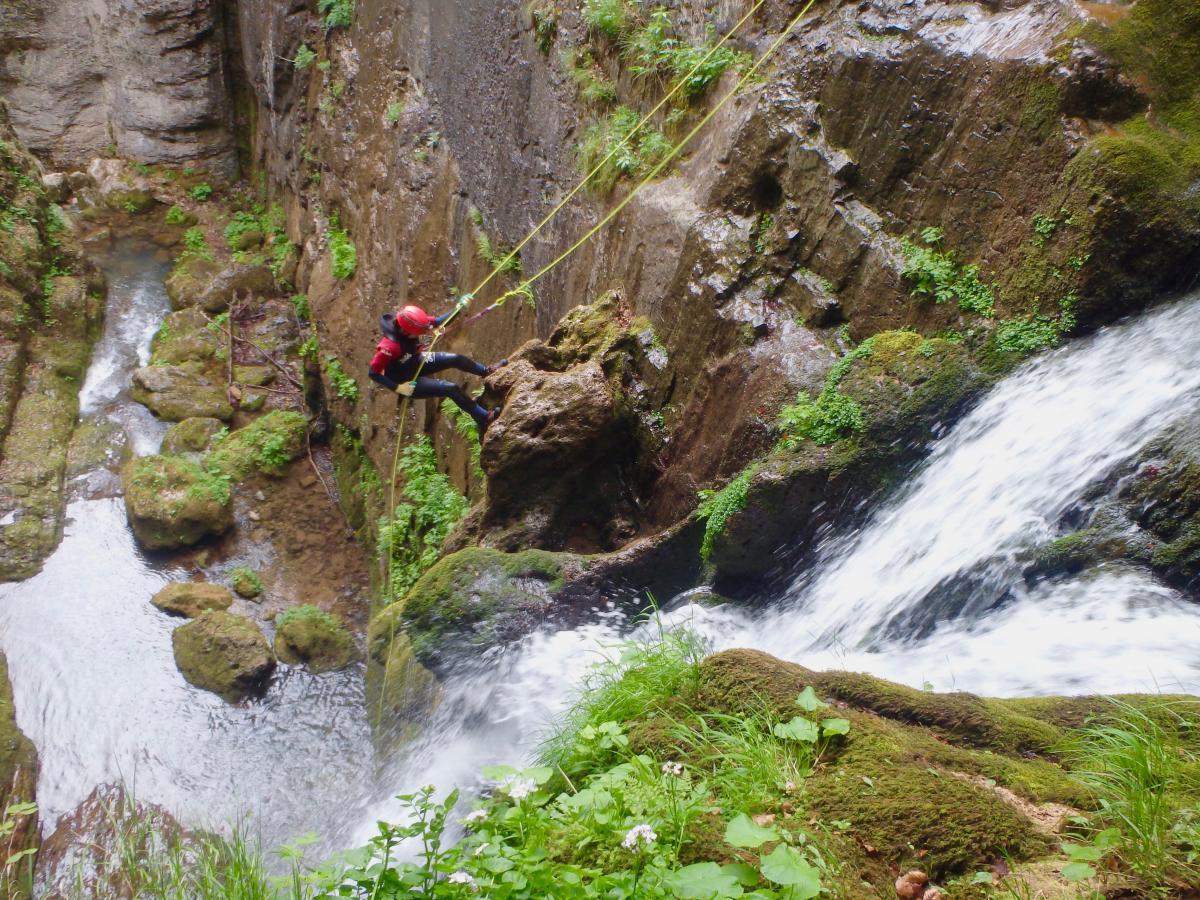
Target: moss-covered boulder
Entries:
(268, 444)
(310, 636)
(223, 653)
(891, 396)
(191, 598)
(246, 583)
(401, 693)
(201, 283)
(941, 782)
(185, 336)
(175, 393)
(478, 598)
(192, 435)
(172, 502)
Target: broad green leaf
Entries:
(497, 864)
(785, 865)
(742, 831)
(835, 726)
(745, 874)
(809, 701)
(1078, 871)
(21, 809)
(538, 774)
(703, 881)
(1108, 838)
(982, 878)
(1082, 852)
(799, 729)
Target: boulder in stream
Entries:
(310, 636)
(191, 598)
(223, 653)
(172, 502)
(192, 435)
(180, 392)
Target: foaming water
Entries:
(929, 590)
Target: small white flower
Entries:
(521, 788)
(479, 850)
(475, 817)
(672, 768)
(463, 878)
(639, 835)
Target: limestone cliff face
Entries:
(786, 220)
(146, 77)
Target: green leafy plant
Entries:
(241, 224)
(612, 145)
(300, 305)
(195, 244)
(609, 17)
(831, 416)
(304, 57)
(468, 431)
(343, 385)
(411, 539)
(1139, 774)
(935, 273)
(395, 110)
(1044, 228)
(655, 48)
(336, 13)
(201, 192)
(308, 613)
(341, 249)
(175, 215)
(591, 82)
(717, 507)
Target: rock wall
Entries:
(425, 125)
(145, 79)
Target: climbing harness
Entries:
(523, 289)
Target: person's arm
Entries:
(378, 374)
(463, 302)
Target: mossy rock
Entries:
(906, 388)
(192, 435)
(184, 336)
(268, 444)
(189, 279)
(310, 636)
(97, 443)
(175, 393)
(191, 598)
(401, 693)
(172, 502)
(18, 768)
(204, 284)
(223, 653)
(478, 598)
(246, 583)
(255, 376)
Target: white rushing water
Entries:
(881, 598)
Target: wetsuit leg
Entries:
(439, 362)
(436, 387)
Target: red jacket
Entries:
(389, 353)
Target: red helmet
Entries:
(414, 321)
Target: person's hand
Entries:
(463, 302)
(406, 389)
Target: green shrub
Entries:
(469, 432)
(935, 273)
(308, 613)
(609, 17)
(240, 225)
(342, 249)
(304, 58)
(829, 418)
(300, 305)
(1028, 336)
(175, 215)
(195, 244)
(336, 13)
(343, 385)
(611, 145)
(201, 192)
(655, 49)
(716, 507)
(411, 540)
(395, 110)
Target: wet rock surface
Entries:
(191, 598)
(172, 502)
(308, 636)
(223, 653)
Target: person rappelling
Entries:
(402, 365)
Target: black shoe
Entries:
(492, 416)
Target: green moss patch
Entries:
(308, 635)
(268, 444)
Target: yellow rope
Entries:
(679, 85)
